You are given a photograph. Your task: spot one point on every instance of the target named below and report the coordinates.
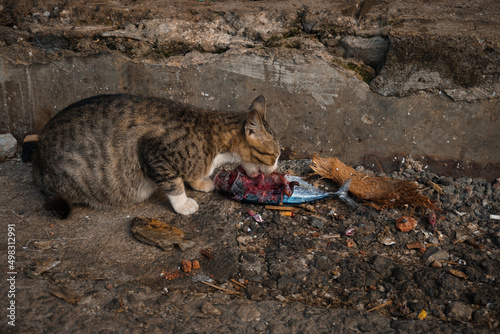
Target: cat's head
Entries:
(261, 149)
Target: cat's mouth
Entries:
(253, 170)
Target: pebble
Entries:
(381, 263)
(8, 145)
(210, 309)
(317, 223)
(433, 254)
(458, 311)
(248, 312)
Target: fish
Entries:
(275, 188)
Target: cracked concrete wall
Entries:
(314, 105)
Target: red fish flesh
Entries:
(237, 185)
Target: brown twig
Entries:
(238, 283)
(380, 306)
(222, 289)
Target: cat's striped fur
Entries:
(118, 149)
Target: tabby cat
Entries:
(114, 150)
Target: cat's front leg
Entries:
(205, 184)
(183, 204)
(177, 196)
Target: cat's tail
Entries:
(58, 206)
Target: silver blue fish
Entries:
(304, 192)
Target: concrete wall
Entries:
(315, 105)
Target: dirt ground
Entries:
(300, 274)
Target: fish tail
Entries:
(342, 194)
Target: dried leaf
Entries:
(65, 294)
(458, 273)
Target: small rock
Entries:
(381, 263)
(436, 264)
(386, 237)
(281, 298)
(458, 311)
(244, 239)
(210, 309)
(434, 253)
(317, 223)
(481, 316)
(186, 266)
(449, 189)
(248, 312)
(186, 245)
(8, 145)
(85, 300)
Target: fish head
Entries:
(260, 149)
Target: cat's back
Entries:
(111, 110)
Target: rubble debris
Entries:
(209, 309)
(350, 243)
(434, 253)
(350, 231)
(384, 191)
(386, 237)
(186, 266)
(458, 311)
(257, 217)
(382, 263)
(415, 245)
(46, 265)
(65, 294)
(44, 244)
(154, 232)
(173, 275)
(8, 145)
(187, 244)
(207, 253)
(432, 220)
(406, 224)
(473, 243)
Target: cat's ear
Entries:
(255, 131)
(259, 104)
(253, 125)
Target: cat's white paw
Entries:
(203, 184)
(183, 204)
